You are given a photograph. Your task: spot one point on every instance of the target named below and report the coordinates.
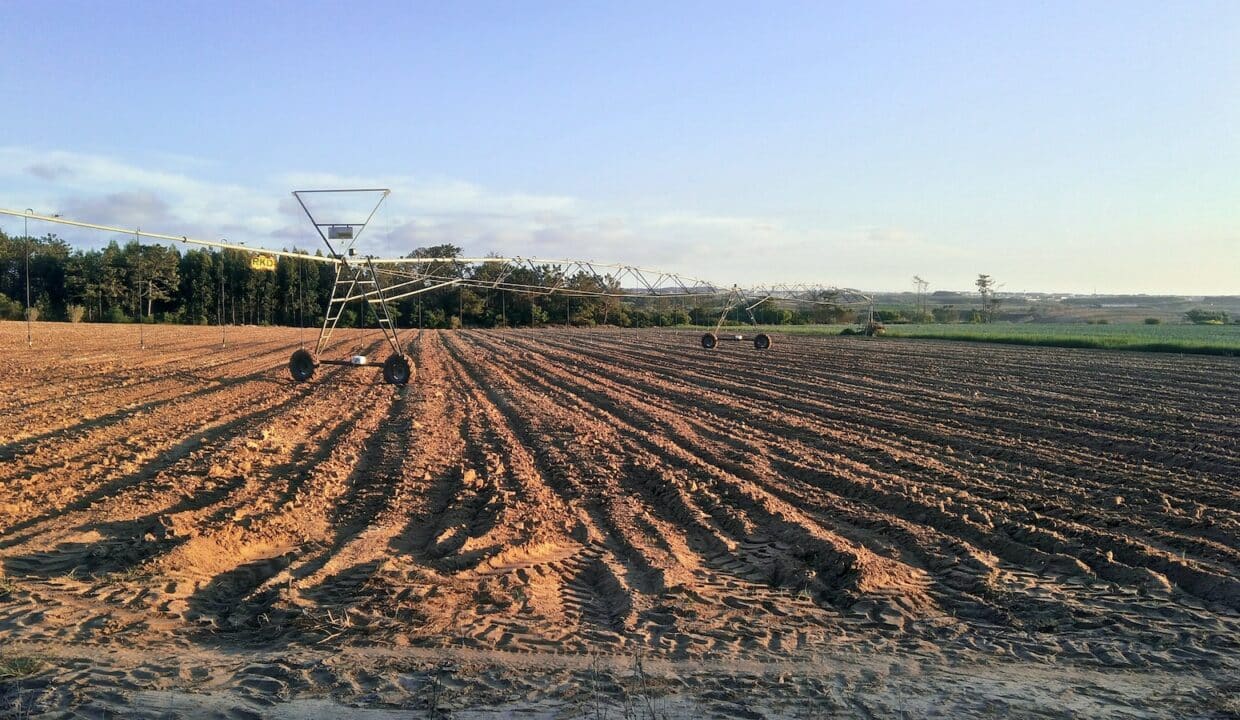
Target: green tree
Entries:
(155, 275)
(198, 291)
(113, 271)
(986, 289)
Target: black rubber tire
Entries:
(709, 341)
(301, 365)
(761, 341)
(397, 370)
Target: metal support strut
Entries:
(737, 298)
(354, 281)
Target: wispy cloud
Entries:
(49, 171)
(421, 212)
(135, 208)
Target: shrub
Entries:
(10, 309)
(1153, 321)
(34, 314)
(1200, 316)
(681, 317)
(894, 317)
(75, 313)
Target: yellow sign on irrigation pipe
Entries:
(263, 262)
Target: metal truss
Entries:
(376, 282)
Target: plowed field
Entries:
(584, 522)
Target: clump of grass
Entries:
(7, 587)
(15, 667)
(131, 574)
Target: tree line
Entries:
(149, 282)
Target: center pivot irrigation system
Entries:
(378, 281)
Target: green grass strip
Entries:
(1100, 343)
(1183, 339)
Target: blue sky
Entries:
(1057, 146)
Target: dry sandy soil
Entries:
(614, 524)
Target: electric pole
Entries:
(26, 234)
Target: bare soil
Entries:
(607, 523)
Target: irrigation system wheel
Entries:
(761, 341)
(301, 365)
(397, 370)
(709, 341)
